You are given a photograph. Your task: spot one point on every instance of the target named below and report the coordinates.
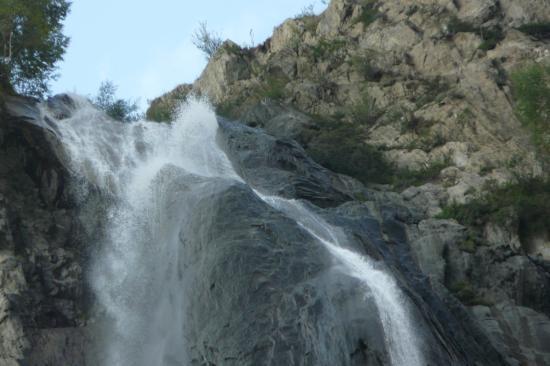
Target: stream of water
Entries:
(135, 277)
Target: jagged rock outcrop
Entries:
(428, 81)
(429, 85)
(43, 295)
(425, 86)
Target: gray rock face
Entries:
(281, 166)
(523, 333)
(260, 290)
(381, 235)
(279, 302)
(42, 292)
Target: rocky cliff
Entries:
(282, 302)
(422, 97)
(396, 91)
(428, 83)
(43, 294)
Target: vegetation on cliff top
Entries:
(206, 41)
(116, 108)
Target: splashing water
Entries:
(399, 334)
(135, 276)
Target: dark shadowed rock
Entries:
(42, 292)
(279, 166)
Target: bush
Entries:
(433, 90)
(162, 109)
(206, 41)
(528, 199)
(491, 38)
(365, 112)
(538, 30)
(456, 25)
(31, 42)
(340, 147)
(308, 17)
(465, 292)
(329, 50)
(406, 178)
(531, 89)
(118, 109)
(369, 13)
(366, 68)
(491, 35)
(274, 87)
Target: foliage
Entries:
(465, 292)
(31, 43)
(528, 199)
(491, 36)
(159, 112)
(456, 25)
(274, 87)
(307, 11)
(366, 68)
(531, 89)
(340, 147)
(404, 178)
(471, 242)
(308, 18)
(365, 112)
(118, 109)
(434, 90)
(329, 50)
(206, 41)
(538, 30)
(163, 108)
(369, 13)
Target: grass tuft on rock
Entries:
(404, 178)
(528, 200)
(466, 293)
(491, 36)
(531, 89)
(369, 13)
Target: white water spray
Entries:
(135, 276)
(399, 334)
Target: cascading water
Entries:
(399, 335)
(135, 276)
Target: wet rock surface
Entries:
(42, 258)
(284, 301)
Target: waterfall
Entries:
(135, 273)
(399, 335)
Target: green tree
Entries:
(116, 108)
(31, 43)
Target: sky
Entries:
(145, 47)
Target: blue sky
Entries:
(145, 47)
